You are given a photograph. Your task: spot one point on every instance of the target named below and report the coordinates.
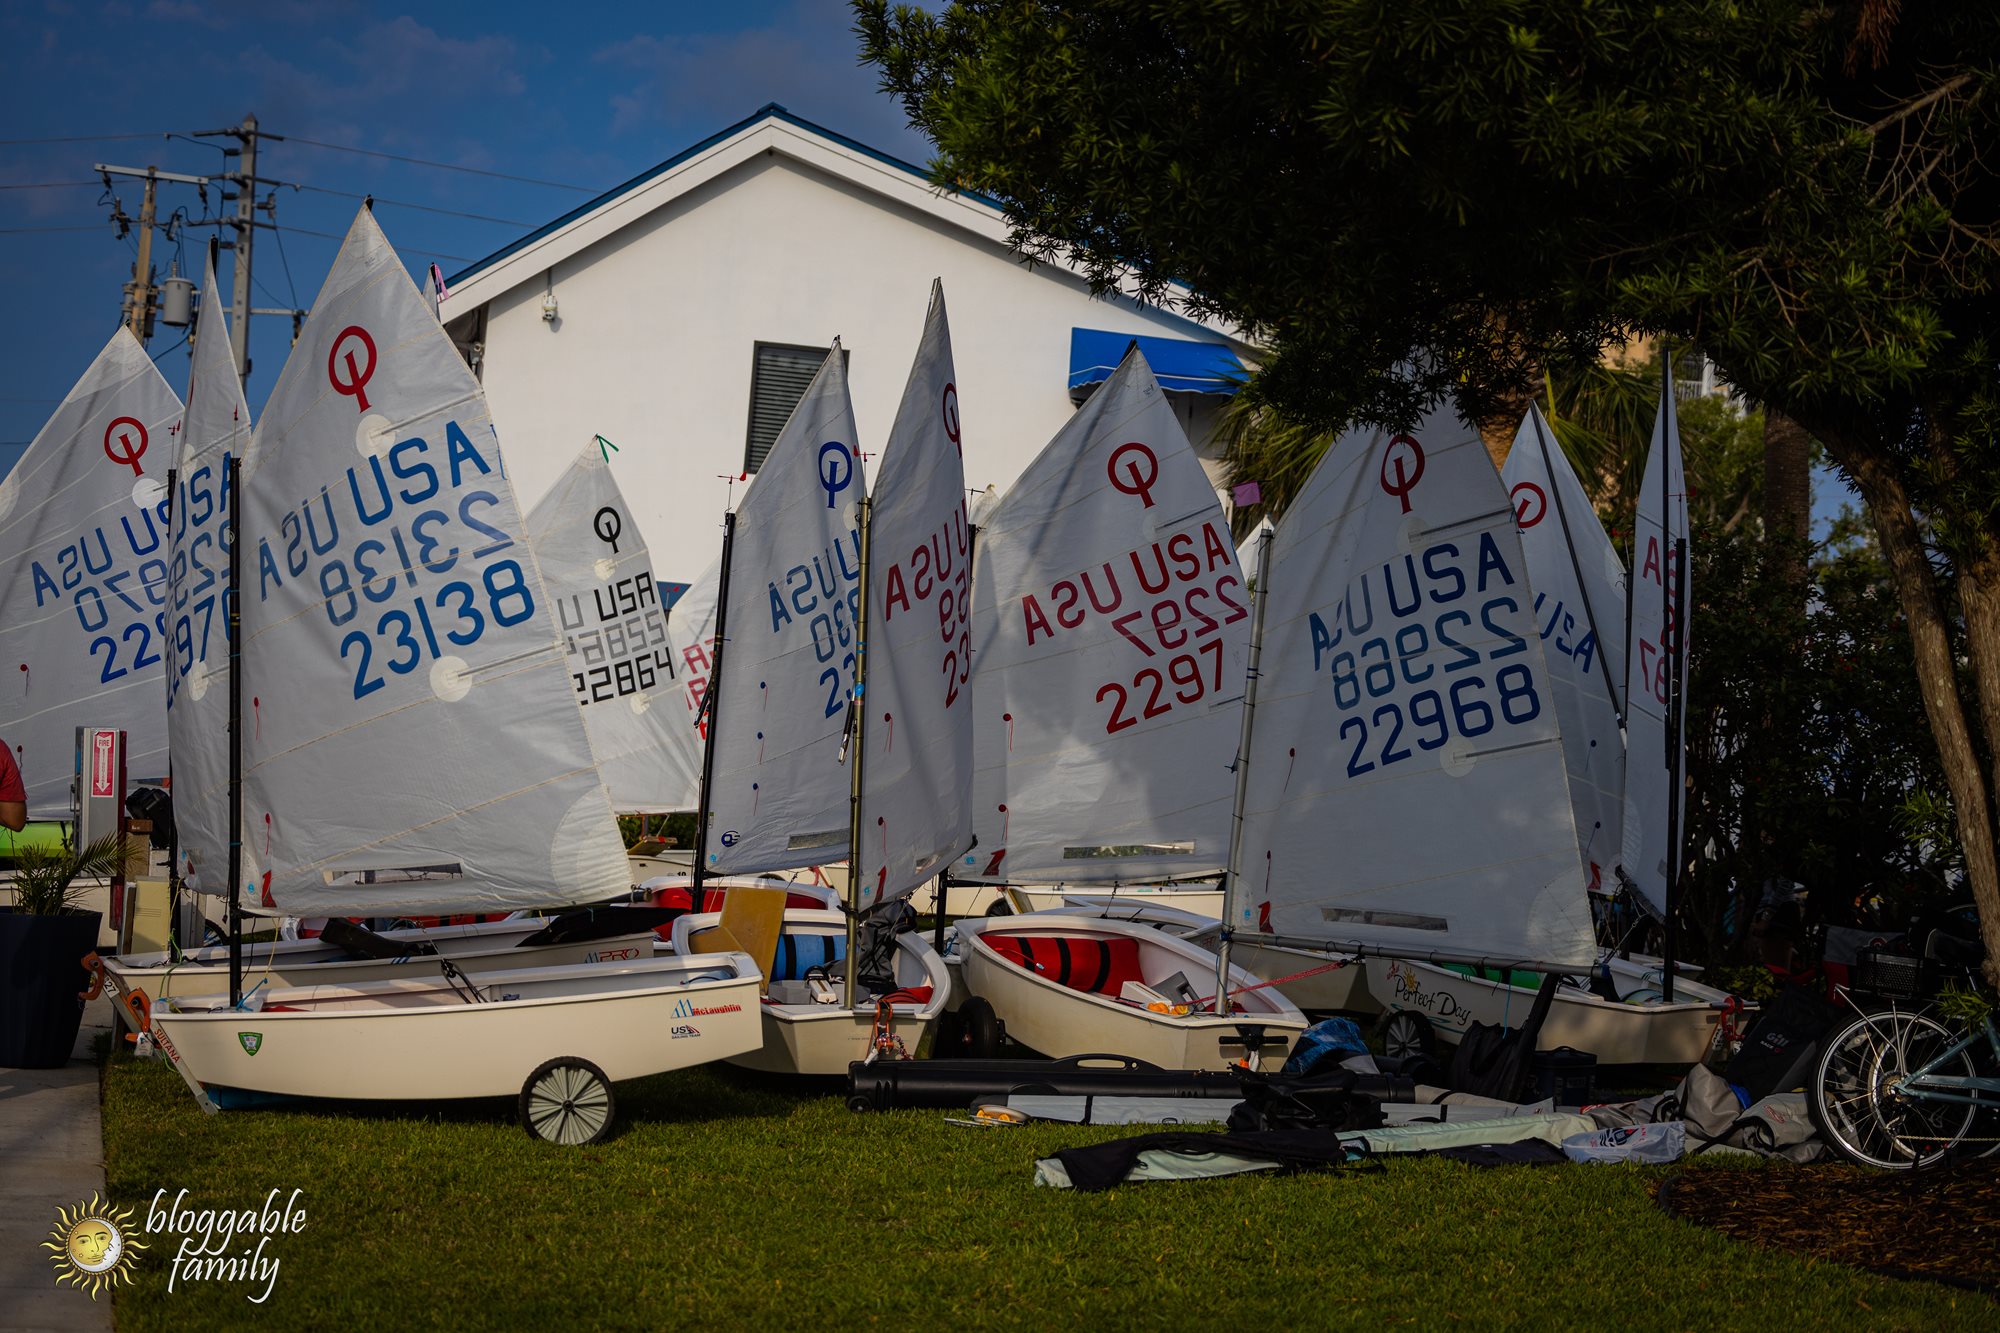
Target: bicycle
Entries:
(1901, 1090)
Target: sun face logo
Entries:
(90, 1246)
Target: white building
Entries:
(681, 315)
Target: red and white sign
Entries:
(103, 763)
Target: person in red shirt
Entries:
(13, 794)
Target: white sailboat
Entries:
(213, 433)
(901, 748)
(1407, 797)
(1110, 625)
(413, 744)
(777, 786)
(1578, 584)
(1110, 630)
(83, 576)
(1656, 666)
(622, 665)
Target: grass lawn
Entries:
(729, 1201)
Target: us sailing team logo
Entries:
(93, 1246)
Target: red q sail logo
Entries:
(1531, 504)
(130, 434)
(949, 410)
(352, 343)
(1402, 467)
(1134, 480)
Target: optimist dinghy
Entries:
(413, 743)
(554, 1038)
(1087, 985)
(1111, 621)
(1407, 735)
(140, 979)
(790, 778)
(901, 988)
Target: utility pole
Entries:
(141, 296)
(245, 180)
(239, 295)
(139, 291)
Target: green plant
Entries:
(45, 878)
(1965, 1005)
(1753, 982)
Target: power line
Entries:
(78, 138)
(442, 166)
(330, 236)
(48, 185)
(23, 231)
(404, 203)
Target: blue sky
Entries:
(577, 94)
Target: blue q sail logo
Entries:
(731, 838)
(836, 469)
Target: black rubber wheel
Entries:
(981, 1030)
(947, 1036)
(568, 1101)
(1405, 1034)
(999, 907)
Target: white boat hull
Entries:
(488, 947)
(422, 1041)
(1646, 1032)
(1341, 988)
(1056, 1020)
(1203, 900)
(824, 1039)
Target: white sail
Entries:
(411, 739)
(83, 576)
(1579, 590)
(916, 804)
(691, 630)
(1653, 793)
(779, 796)
(214, 429)
(607, 606)
(1406, 791)
(1110, 628)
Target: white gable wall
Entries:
(657, 322)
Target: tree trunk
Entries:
(1787, 477)
(1937, 671)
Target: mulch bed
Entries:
(1942, 1224)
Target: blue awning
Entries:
(1180, 364)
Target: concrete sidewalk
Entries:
(52, 1148)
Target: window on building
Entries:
(780, 374)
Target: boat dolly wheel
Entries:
(568, 1101)
(1405, 1034)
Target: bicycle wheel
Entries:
(1860, 1100)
